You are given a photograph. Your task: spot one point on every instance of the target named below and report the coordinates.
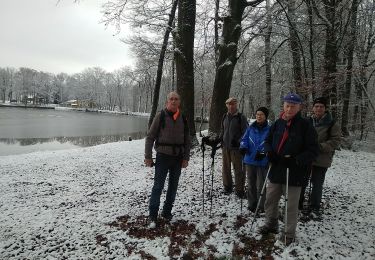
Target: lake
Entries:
(28, 130)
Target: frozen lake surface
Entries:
(28, 130)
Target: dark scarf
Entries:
(326, 119)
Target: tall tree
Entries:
(155, 101)
(294, 47)
(333, 25)
(365, 47)
(349, 67)
(185, 59)
(267, 53)
(227, 59)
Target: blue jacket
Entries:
(253, 141)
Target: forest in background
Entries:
(256, 51)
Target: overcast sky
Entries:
(65, 37)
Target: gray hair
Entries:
(173, 93)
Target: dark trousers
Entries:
(256, 176)
(318, 175)
(164, 164)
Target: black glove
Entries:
(217, 141)
(243, 151)
(235, 143)
(259, 156)
(272, 157)
(288, 162)
(205, 139)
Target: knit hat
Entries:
(264, 110)
(231, 100)
(320, 100)
(292, 98)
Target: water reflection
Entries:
(80, 141)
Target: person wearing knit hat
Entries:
(255, 160)
(264, 110)
(320, 100)
(329, 138)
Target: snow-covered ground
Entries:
(91, 203)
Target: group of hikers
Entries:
(293, 153)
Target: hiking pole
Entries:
(260, 198)
(212, 181)
(203, 149)
(310, 188)
(213, 152)
(306, 202)
(244, 187)
(286, 203)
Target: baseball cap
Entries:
(292, 98)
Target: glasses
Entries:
(173, 99)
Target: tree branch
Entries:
(253, 3)
(323, 18)
(370, 63)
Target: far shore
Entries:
(60, 108)
(93, 110)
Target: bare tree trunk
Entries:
(227, 60)
(267, 55)
(185, 60)
(217, 7)
(364, 100)
(294, 47)
(358, 91)
(311, 45)
(155, 101)
(330, 56)
(349, 69)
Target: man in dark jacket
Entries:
(234, 125)
(329, 137)
(172, 144)
(291, 143)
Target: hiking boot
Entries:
(267, 229)
(241, 194)
(252, 209)
(227, 191)
(286, 240)
(316, 214)
(304, 217)
(152, 223)
(167, 217)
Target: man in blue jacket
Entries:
(292, 143)
(255, 160)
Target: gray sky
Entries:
(58, 38)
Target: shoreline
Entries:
(91, 110)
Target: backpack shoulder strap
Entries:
(239, 117)
(222, 120)
(186, 125)
(240, 121)
(330, 128)
(161, 124)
